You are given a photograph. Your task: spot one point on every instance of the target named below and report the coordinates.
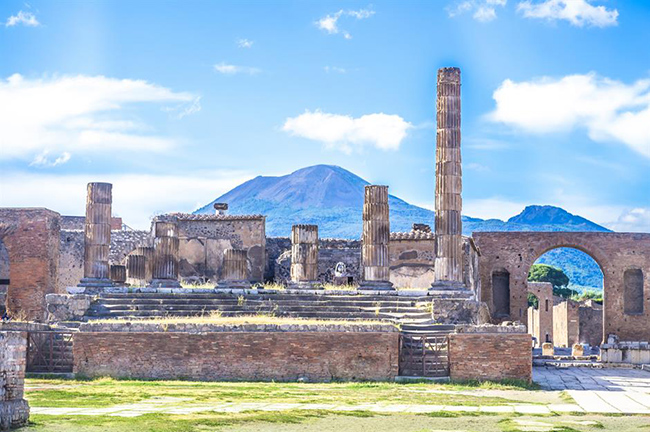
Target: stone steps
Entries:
(312, 315)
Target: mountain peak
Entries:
(551, 215)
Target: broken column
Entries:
(148, 253)
(118, 274)
(304, 256)
(234, 272)
(136, 269)
(448, 205)
(374, 247)
(97, 238)
(165, 260)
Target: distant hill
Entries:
(332, 198)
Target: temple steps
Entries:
(314, 306)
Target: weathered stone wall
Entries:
(540, 320)
(566, 324)
(71, 259)
(412, 259)
(490, 356)
(330, 252)
(31, 237)
(590, 321)
(204, 238)
(14, 410)
(615, 253)
(232, 355)
(78, 223)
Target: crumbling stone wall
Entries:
(330, 252)
(14, 410)
(204, 238)
(540, 320)
(590, 324)
(231, 355)
(566, 323)
(490, 356)
(71, 261)
(615, 253)
(31, 237)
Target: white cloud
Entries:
(345, 133)
(578, 12)
(78, 114)
(136, 197)
(25, 18)
(245, 43)
(41, 160)
(329, 23)
(608, 110)
(335, 69)
(483, 10)
(230, 69)
(632, 220)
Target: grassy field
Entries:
(105, 393)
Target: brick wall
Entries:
(566, 324)
(490, 356)
(32, 242)
(264, 356)
(14, 410)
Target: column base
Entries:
(95, 283)
(307, 285)
(240, 284)
(376, 286)
(164, 283)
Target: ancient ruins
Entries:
(461, 303)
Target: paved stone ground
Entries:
(594, 391)
(600, 390)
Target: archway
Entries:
(568, 285)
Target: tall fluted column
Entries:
(448, 206)
(376, 233)
(97, 238)
(165, 262)
(304, 256)
(234, 272)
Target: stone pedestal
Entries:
(97, 238)
(234, 272)
(304, 256)
(165, 260)
(448, 205)
(375, 236)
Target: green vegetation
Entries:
(553, 275)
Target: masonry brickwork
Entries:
(14, 410)
(31, 238)
(258, 356)
(540, 319)
(515, 253)
(490, 356)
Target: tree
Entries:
(553, 275)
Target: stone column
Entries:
(165, 260)
(234, 272)
(136, 269)
(97, 238)
(448, 205)
(148, 253)
(118, 274)
(304, 256)
(375, 236)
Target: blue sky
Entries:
(177, 102)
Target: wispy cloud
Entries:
(42, 160)
(578, 12)
(330, 23)
(481, 10)
(27, 19)
(68, 114)
(245, 43)
(334, 69)
(609, 110)
(346, 133)
(632, 220)
(230, 69)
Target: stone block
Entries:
(548, 350)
